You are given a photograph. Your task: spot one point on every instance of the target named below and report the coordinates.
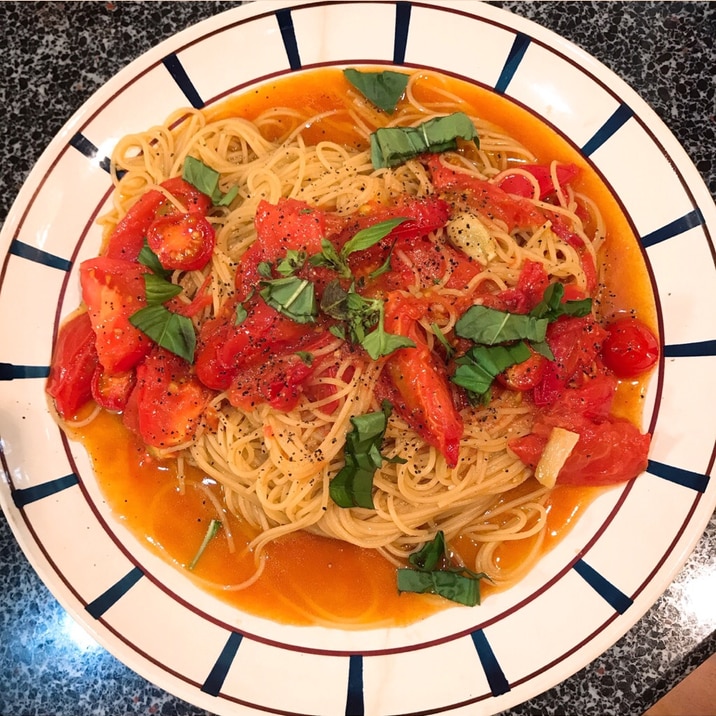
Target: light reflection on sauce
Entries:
(310, 579)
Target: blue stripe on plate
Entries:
(686, 478)
(402, 26)
(288, 34)
(690, 350)
(104, 601)
(603, 587)
(89, 150)
(32, 253)
(517, 52)
(619, 117)
(26, 495)
(10, 371)
(179, 75)
(495, 676)
(218, 673)
(674, 228)
(354, 703)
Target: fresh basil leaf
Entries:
(391, 146)
(383, 89)
(489, 326)
(431, 554)
(169, 330)
(379, 343)
(482, 364)
(305, 356)
(552, 307)
(371, 235)
(457, 587)
(294, 297)
(441, 338)
(264, 269)
(206, 180)
(542, 347)
(330, 258)
(240, 315)
(212, 530)
(292, 262)
(352, 486)
(148, 258)
(159, 290)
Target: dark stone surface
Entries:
(55, 55)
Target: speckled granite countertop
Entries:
(55, 55)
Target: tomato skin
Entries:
(225, 348)
(167, 402)
(610, 450)
(112, 391)
(424, 397)
(521, 186)
(526, 375)
(290, 224)
(183, 242)
(607, 453)
(74, 360)
(277, 381)
(113, 290)
(629, 348)
(127, 239)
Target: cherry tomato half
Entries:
(182, 241)
(630, 348)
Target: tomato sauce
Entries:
(310, 579)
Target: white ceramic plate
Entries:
(579, 600)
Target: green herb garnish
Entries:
(294, 297)
(430, 575)
(364, 320)
(364, 239)
(158, 289)
(482, 364)
(489, 326)
(383, 89)
(169, 330)
(214, 527)
(391, 146)
(206, 180)
(353, 484)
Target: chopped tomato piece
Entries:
(127, 239)
(112, 391)
(290, 224)
(74, 359)
(226, 348)
(278, 382)
(423, 390)
(526, 375)
(183, 242)
(113, 290)
(521, 186)
(167, 402)
(487, 198)
(606, 453)
(629, 348)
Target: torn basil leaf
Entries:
(294, 297)
(211, 532)
(552, 307)
(352, 485)
(391, 146)
(206, 180)
(383, 89)
(489, 326)
(482, 364)
(159, 289)
(169, 330)
(429, 574)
